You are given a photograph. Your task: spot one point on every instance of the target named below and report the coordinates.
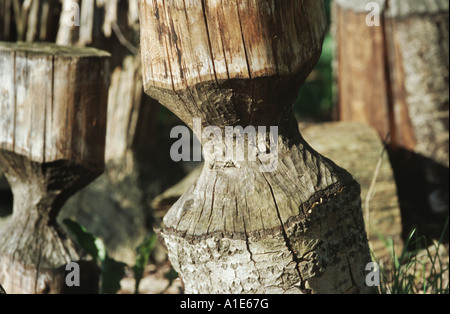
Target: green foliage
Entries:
(315, 99)
(143, 254)
(420, 270)
(86, 240)
(112, 271)
(171, 275)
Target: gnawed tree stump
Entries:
(52, 139)
(29, 20)
(356, 147)
(134, 158)
(395, 77)
(298, 229)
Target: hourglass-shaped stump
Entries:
(52, 137)
(294, 227)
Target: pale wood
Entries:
(52, 142)
(132, 173)
(3, 183)
(395, 77)
(33, 20)
(298, 229)
(356, 147)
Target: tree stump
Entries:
(52, 139)
(239, 229)
(358, 148)
(393, 75)
(134, 157)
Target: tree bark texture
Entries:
(395, 76)
(133, 160)
(52, 136)
(356, 147)
(298, 229)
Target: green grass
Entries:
(418, 269)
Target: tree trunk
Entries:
(367, 161)
(395, 77)
(132, 175)
(52, 138)
(29, 21)
(241, 228)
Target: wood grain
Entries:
(395, 77)
(204, 46)
(42, 119)
(298, 229)
(53, 122)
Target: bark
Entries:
(52, 137)
(367, 161)
(358, 148)
(395, 78)
(132, 175)
(298, 229)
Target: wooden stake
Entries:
(52, 140)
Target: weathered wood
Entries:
(356, 147)
(31, 20)
(164, 201)
(395, 76)
(133, 155)
(53, 124)
(298, 229)
(3, 183)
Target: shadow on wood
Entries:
(52, 138)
